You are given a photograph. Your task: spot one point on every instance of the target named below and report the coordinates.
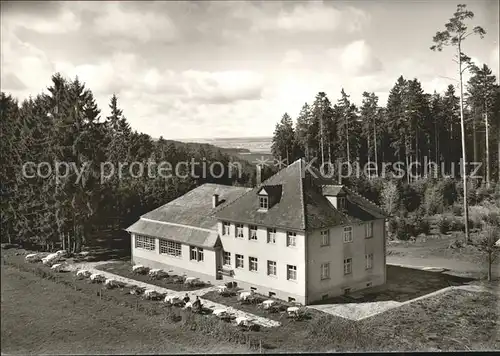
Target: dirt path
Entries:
(206, 303)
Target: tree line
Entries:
(66, 125)
(414, 127)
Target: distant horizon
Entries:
(223, 138)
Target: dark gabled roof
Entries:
(188, 219)
(195, 207)
(303, 204)
(272, 190)
(288, 213)
(333, 190)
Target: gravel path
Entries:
(90, 266)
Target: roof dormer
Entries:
(336, 195)
(268, 196)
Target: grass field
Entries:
(40, 317)
(71, 319)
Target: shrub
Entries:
(443, 225)
(411, 197)
(457, 209)
(457, 225)
(449, 191)
(404, 230)
(393, 226)
(483, 193)
(423, 227)
(433, 200)
(390, 197)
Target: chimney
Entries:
(215, 200)
(259, 175)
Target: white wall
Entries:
(278, 252)
(207, 266)
(335, 254)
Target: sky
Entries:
(231, 69)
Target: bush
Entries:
(457, 225)
(393, 226)
(404, 230)
(423, 227)
(443, 225)
(448, 189)
(457, 209)
(433, 200)
(411, 196)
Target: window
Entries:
(170, 248)
(227, 258)
(291, 300)
(341, 203)
(325, 238)
(369, 229)
(291, 238)
(252, 263)
(144, 242)
(272, 294)
(369, 261)
(291, 272)
(226, 228)
(253, 289)
(271, 236)
(325, 270)
(252, 233)
(348, 234)
(263, 203)
(239, 230)
(271, 268)
(195, 253)
(347, 265)
(347, 291)
(239, 261)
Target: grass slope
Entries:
(43, 317)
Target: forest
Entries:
(65, 125)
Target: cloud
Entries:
(495, 63)
(114, 20)
(49, 18)
(11, 82)
(292, 56)
(357, 58)
(222, 87)
(302, 17)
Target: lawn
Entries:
(43, 317)
(403, 284)
(120, 321)
(455, 320)
(124, 269)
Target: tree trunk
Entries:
(490, 262)
(375, 145)
(464, 157)
(486, 124)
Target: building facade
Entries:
(296, 236)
